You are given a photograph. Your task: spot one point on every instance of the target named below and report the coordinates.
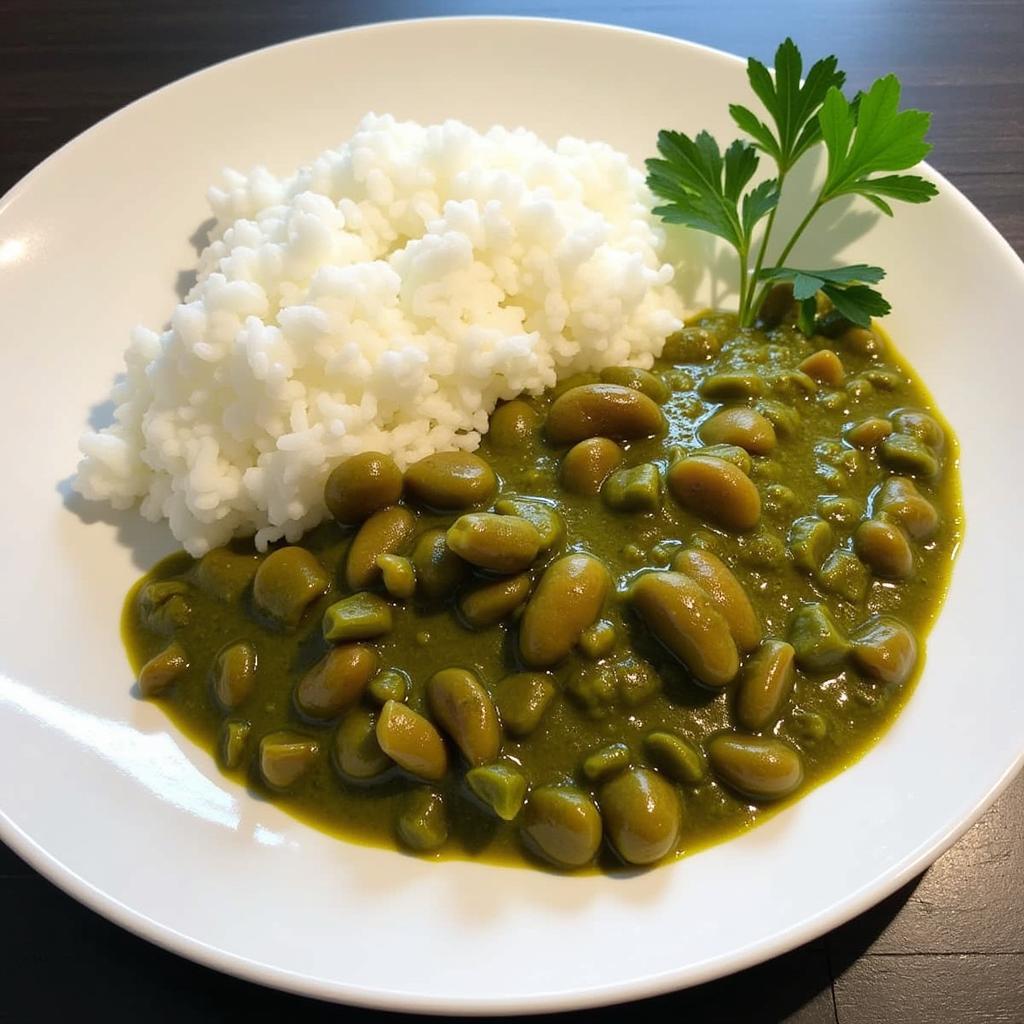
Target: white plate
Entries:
(103, 797)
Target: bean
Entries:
(287, 582)
(234, 672)
(411, 741)
(361, 616)
(884, 548)
(900, 500)
(905, 453)
(761, 549)
(606, 762)
(715, 490)
(777, 306)
(809, 725)
(285, 757)
(683, 617)
(357, 753)
(861, 341)
(500, 787)
(384, 533)
(883, 378)
(844, 574)
(839, 510)
(439, 571)
(758, 768)
(398, 575)
(679, 759)
(691, 345)
(464, 709)
(784, 418)
(232, 742)
(522, 699)
(662, 552)
(489, 603)
(780, 499)
(513, 426)
(635, 489)
(164, 606)
(733, 453)
(336, 681)
(922, 426)
(390, 684)
(818, 643)
(793, 384)
(767, 471)
(858, 388)
(575, 381)
(361, 485)
(869, 433)
(224, 574)
(563, 825)
(587, 464)
(717, 580)
(502, 544)
(885, 649)
(162, 669)
(598, 640)
(642, 814)
(567, 600)
(825, 367)
(640, 380)
(594, 688)
(422, 824)
(809, 541)
(766, 683)
(545, 519)
(603, 410)
(450, 481)
(740, 426)
(723, 387)
(636, 681)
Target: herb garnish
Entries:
(865, 141)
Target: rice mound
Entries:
(383, 298)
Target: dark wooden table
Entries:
(948, 947)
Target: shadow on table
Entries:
(851, 941)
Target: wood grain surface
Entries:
(948, 947)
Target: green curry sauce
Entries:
(830, 717)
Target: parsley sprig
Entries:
(866, 140)
(704, 189)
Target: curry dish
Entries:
(650, 608)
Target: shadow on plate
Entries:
(199, 240)
(148, 542)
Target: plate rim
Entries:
(800, 932)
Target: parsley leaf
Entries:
(858, 303)
(846, 287)
(876, 137)
(793, 106)
(690, 176)
(807, 282)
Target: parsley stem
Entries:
(787, 249)
(748, 309)
(744, 255)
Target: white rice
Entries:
(383, 298)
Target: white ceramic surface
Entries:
(101, 795)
